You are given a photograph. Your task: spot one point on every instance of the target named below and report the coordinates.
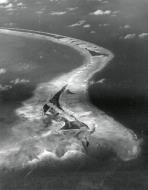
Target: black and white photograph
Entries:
(73, 94)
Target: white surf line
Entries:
(120, 139)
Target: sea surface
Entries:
(120, 90)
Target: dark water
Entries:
(26, 63)
(124, 92)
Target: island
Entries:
(67, 124)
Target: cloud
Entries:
(8, 6)
(105, 2)
(129, 36)
(114, 13)
(58, 13)
(86, 26)
(104, 25)
(79, 23)
(101, 12)
(126, 26)
(72, 8)
(19, 81)
(20, 4)
(3, 1)
(2, 71)
(92, 32)
(143, 35)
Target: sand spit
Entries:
(108, 133)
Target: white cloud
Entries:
(130, 36)
(79, 23)
(92, 32)
(19, 81)
(10, 5)
(2, 71)
(20, 4)
(3, 1)
(105, 12)
(101, 12)
(104, 25)
(114, 13)
(72, 8)
(105, 2)
(58, 13)
(86, 26)
(126, 26)
(143, 35)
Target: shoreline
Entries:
(108, 132)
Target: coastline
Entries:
(108, 132)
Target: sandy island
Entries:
(33, 146)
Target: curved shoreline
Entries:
(108, 132)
